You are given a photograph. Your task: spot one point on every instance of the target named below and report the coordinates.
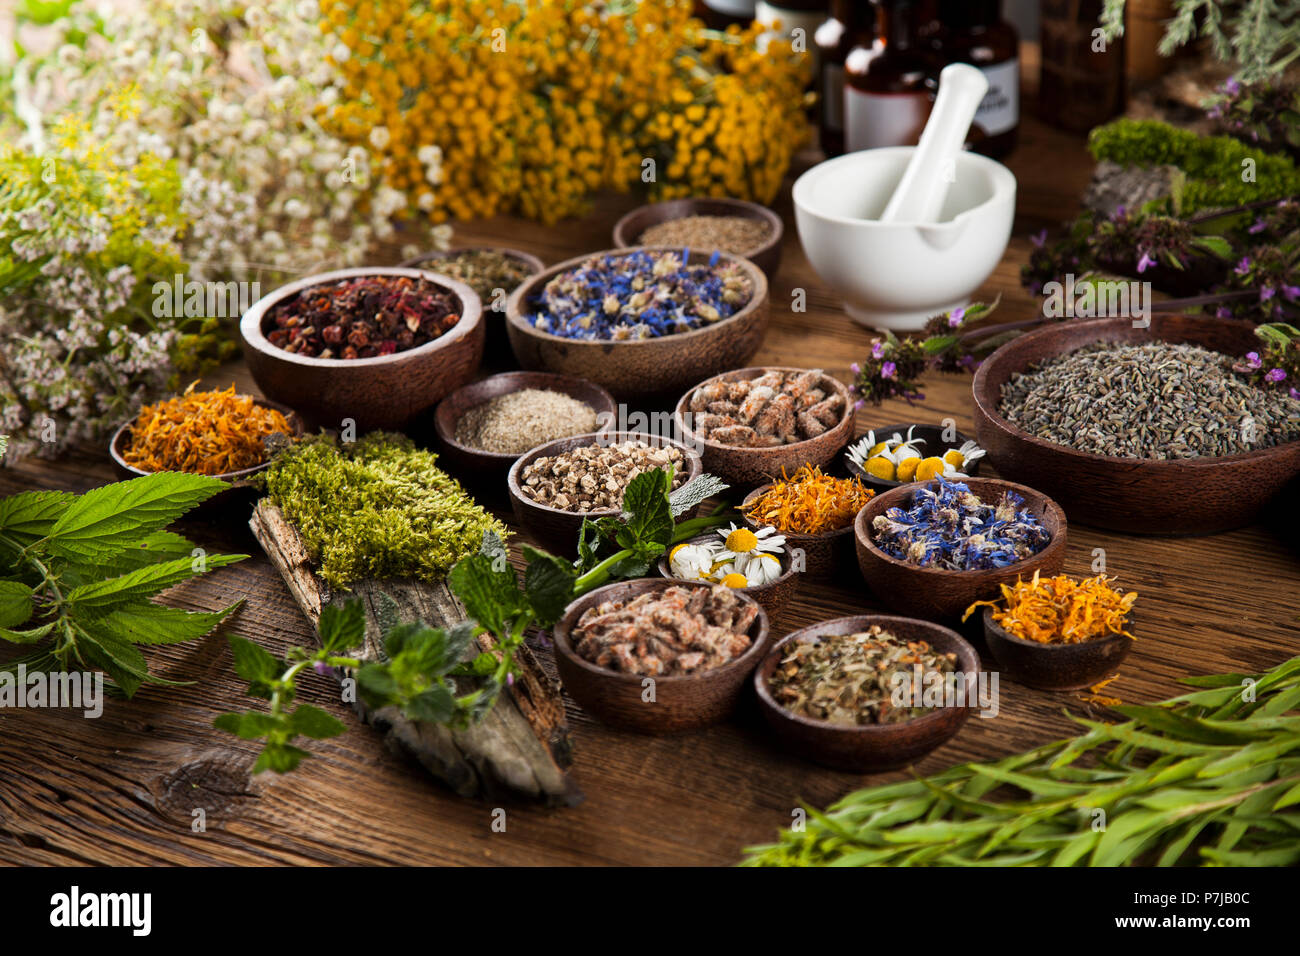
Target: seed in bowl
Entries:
(362, 317)
(775, 408)
(640, 295)
(854, 679)
(1060, 610)
(513, 423)
(677, 631)
(742, 559)
(594, 477)
(810, 502)
(483, 270)
(739, 235)
(899, 459)
(952, 529)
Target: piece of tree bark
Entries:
(520, 748)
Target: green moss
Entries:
(376, 508)
(1212, 164)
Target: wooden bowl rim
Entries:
(1054, 544)
(754, 371)
(695, 466)
(250, 326)
(743, 208)
(292, 417)
(560, 383)
(787, 568)
(886, 483)
(560, 635)
(966, 655)
(515, 311)
(798, 535)
(993, 627)
(1009, 350)
(433, 255)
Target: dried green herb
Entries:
(376, 508)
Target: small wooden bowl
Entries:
(824, 555)
(938, 593)
(774, 595)
(628, 230)
(384, 391)
(640, 369)
(475, 465)
(681, 702)
(554, 527)
(867, 748)
(1056, 666)
(746, 467)
(933, 436)
(1135, 496)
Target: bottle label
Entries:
(999, 111)
(833, 96)
(883, 119)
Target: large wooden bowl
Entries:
(385, 391)
(940, 594)
(868, 747)
(554, 527)
(1056, 666)
(747, 467)
(628, 230)
(681, 702)
(643, 369)
(1180, 497)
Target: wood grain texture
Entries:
(121, 789)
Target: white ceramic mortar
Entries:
(897, 275)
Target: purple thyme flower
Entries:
(1293, 393)
(1276, 375)
(1223, 312)
(1253, 359)
(320, 667)
(955, 316)
(888, 369)
(1243, 266)
(1259, 227)
(855, 368)
(877, 349)
(1265, 293)
(1231, 86)
(1292, 292)
(1039, 239)
(1145, 263)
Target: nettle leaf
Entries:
(343, 627)
(247, 726)
(30, 636)
(253, 662)
(434, 706)
(281, 758)
(144, 582)
(483, 664)
(154, 624)
(648, 516)
(548, 583)
(109, 519)
(28, 516)
(588, 542)
(15, 603)
(149, 550)
(119, 660)
(488, 588)
(378, 687)
(315, 723)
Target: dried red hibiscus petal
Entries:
(367, 315)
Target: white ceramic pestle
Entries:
(920, 193)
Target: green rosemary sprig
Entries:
(1210, 777)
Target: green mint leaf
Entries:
(279, 757)
(15, 603)
(488, 588)
(399, 637)
(315, 723)
(647, 515)
(484, 663)
(144, 582)
(548, 583)
(434, 706)
(155, 624)
(109, 519)
(630, 567)
(376, 684)
(343, 627)
(247, 726)
(253, 662)
(588, 542)
(30, 636)
(27, 517)
(694, 492)
(123, 664)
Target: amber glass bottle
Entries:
(886, 102)
(851, 23)
(973, 31)
(720, 14)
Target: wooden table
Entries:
(123, 789)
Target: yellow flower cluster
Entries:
(534, 104)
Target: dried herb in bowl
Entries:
(513, 423)
(810, 502)
(856, 678)
(594, 477)
(775, 408)
(1060, 610)
(486, 271)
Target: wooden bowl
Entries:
(774, 595)
(1056, 666)
(628, 230)
(681, 702)
(645, 368)
(476, 466)
(1181, 497)
(933, 435)
(868, 748)
(824, 555)
(554, 527)
(385, 391)
(746, 467)
(940, 594)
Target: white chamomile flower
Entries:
(959, 458)
(762, 569)
(740, 543)
(691, 562)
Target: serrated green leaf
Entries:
(433, 706)
(119, 660)
(548, 583)
(647, 514)
(376, 684)
(280, 758)
(315, 723)
(142, 582)
(489, 590)
(29, 515)
(343, 627)
(253, 662)
(154, 624)
(149, 550)
(29, 636)
(15, 603)
(250, 725)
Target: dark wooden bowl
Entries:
(940, 594)
(559, 529)
(774, 595)
(933, 435)
(1136, 496)
(1056, 666)
(386, 391)
(494, 319)
(824, 555)
(871, 747)
(476, 466)
(644, 369)
(747, 467)
(681, 702)
(628, 230)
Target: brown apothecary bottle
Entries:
(886, 100)
(973, 31)
(851, 23)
